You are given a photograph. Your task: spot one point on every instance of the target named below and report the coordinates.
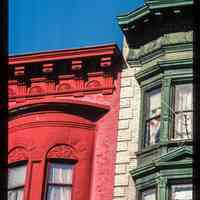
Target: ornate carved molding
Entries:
(167, 39)
(47, 67)
(17, 154)
(73, 75)
(62, 152)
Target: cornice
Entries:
(162, 66)
(85, 52)
(149, 8)
(125, 19)
(168, 3)
(64, 73)
(167, 161)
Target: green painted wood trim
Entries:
(161, 66)
(165, 117)
(149, 8)
(168, 3)
(133, 16)
(165, 162)
(162, 185)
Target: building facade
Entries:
(63, 117)
(154, 148)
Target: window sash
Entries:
(149, 194)
(59, 181)
(183, 97)
(59, 192)
(60, 173)
(152, 117)
(183, 111)
(181, 192)
(16, 182)
(153, 103)
(16, 194)
(152, 131)
(16, 176)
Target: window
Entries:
(181, 192)
(59, 181)
(152, 117)
(183, 111)
(16, 182)
(149, 194)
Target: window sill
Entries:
(148, 149)
(171, 143)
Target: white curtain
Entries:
(59, 173)
(59, 193)
(183, 97)
(183, 102)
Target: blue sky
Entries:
(41, 25)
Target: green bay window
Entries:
(152, 117)
(183, 111)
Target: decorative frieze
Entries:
(78, 79)
(166, 39)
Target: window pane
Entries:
(183, 125)
(149, 194)
(59, 193)
(183, 112)
(154, 130)
(181, 192)
(60, 173)
(154, 103)
(16, 176)
(183, 97)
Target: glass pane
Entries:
(16, 194)
(60, 173)
(59, 193)
(12, 195)
(181, 192)
(149, 194)
(154, 130)
(183, 125)
(183, 97)
(154, 103)
(16, 176)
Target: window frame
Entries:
(146, 108)
(172, 130)
(18, 164)
(154, 187)
(177, 182)
(58, 161)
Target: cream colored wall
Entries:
(127, 133)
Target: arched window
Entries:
(59, 181)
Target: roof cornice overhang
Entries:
(78, 53)
(149, 8)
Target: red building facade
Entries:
(63, 114)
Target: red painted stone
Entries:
(69, 116)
